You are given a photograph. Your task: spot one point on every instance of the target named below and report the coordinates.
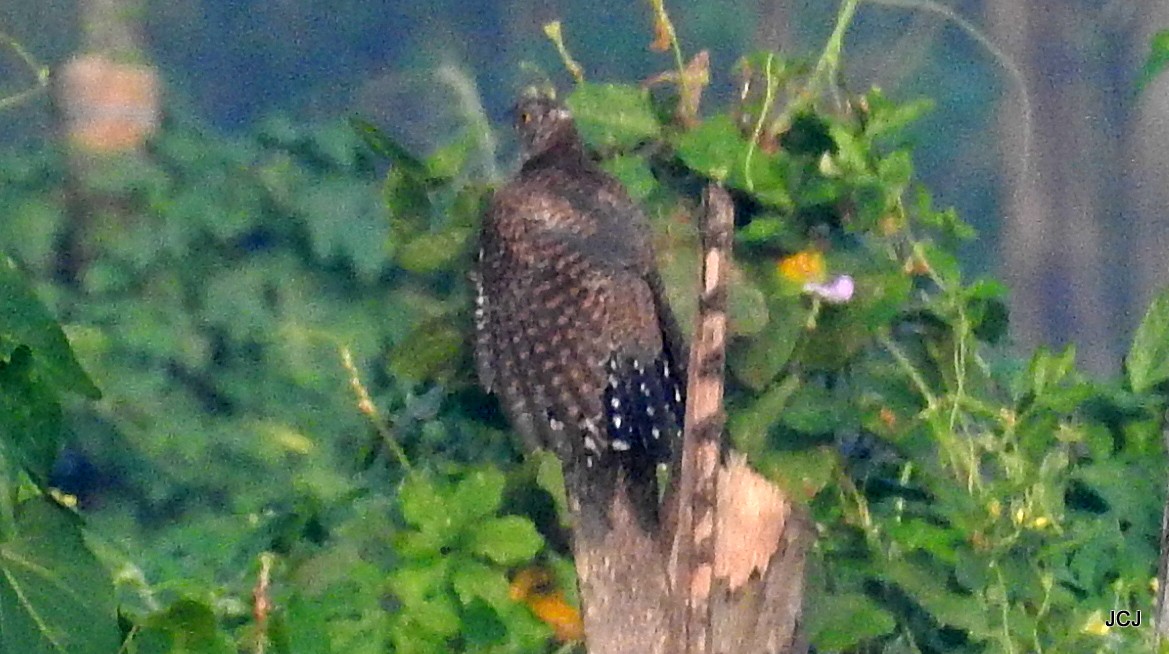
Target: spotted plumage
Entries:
(572, 331)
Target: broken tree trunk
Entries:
(725, 572)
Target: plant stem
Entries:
(825, 69)
(40, 72)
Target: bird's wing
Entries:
(589, 211)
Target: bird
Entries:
(572, 329)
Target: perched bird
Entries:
(572, 329)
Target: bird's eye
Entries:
(525, 117)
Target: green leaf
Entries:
(430, 352)
(1048, 371)
(55, 598)
(439, 615)
(746, 308)
(382, 144)
(896, 170)
(479, 494)
(24, 321)
(434, 251)
(915, 534)
(852, 153)
(943, 262)
(714, 148)
(882, 298)
(425, 595)
(887, 119)
(613, 115)
(841, 622)
(1148, 360)
(814, 410)
(928, 588)
(482, 626)
(187, 627)
(30, 416)
(772, 230)
(508, 540)
(300, 628)
(749, 427)
(475, 580)
(1157, 60)
(447, 161)
(408, 203)
(421, 503)
(758, 362)
(717, 149)
(988, 311)
(1122, 486)
(550, 477)
(411, 637)
(800, 473)
(633, 173)
(30, 229)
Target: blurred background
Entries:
(1066, 184)
(190, 200)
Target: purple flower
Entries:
(836, 291)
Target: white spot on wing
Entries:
(620, 446)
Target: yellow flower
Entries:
(63, 498)
(1095, 625)
(803, 267)
(536, 588)
(995, 509)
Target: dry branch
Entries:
(691, 564)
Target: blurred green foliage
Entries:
(279, 331)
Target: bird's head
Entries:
(542, 124)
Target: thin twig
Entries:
(366, 406)
(1161, 617)
(40, 72)
(554, 32)
(826, 67)
(262, 602)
